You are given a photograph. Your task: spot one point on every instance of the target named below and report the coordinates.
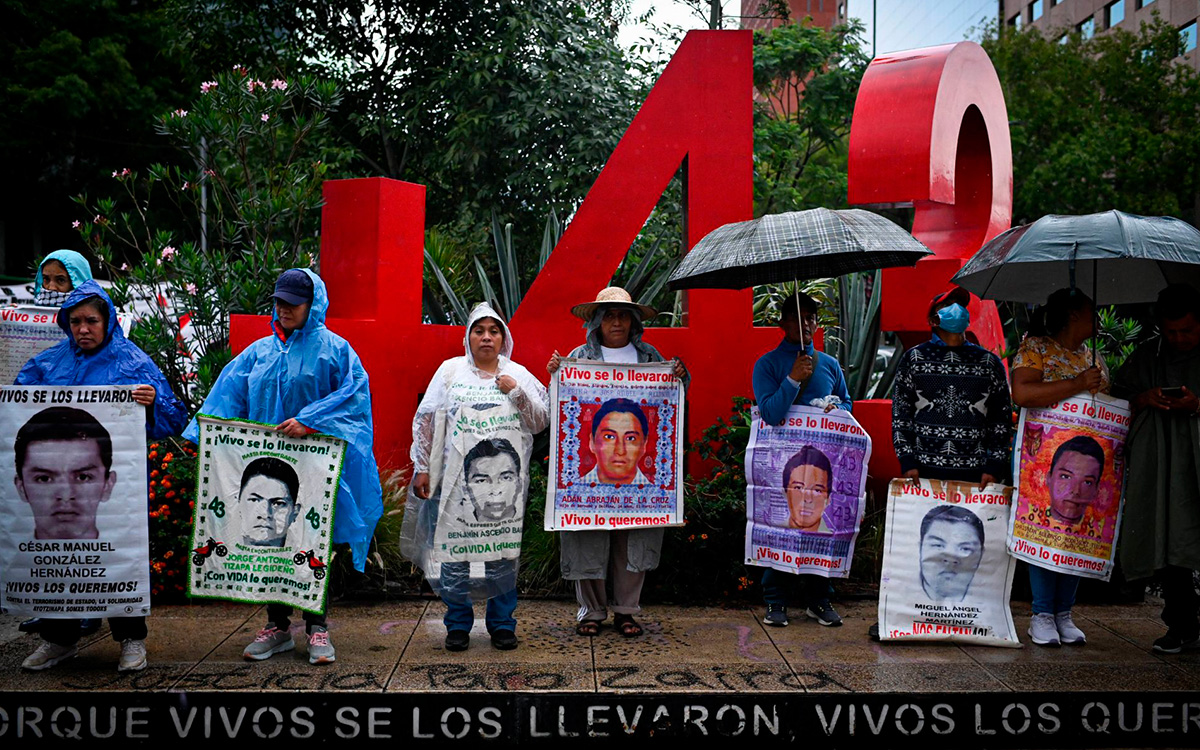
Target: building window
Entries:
(1143, 3)
(1189, 37)
(1015, 22)
(1114, 14)
(1035, 10)
(1087, 29)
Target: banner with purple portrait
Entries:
(805, 491)
(616, 450)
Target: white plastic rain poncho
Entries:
(475, 442)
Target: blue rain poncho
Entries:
(316, 378)
(118, 361)
(78, 269)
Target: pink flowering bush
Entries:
(191, 246)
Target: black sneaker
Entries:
(1173, 643)
(458, 640)
(824, 614)
(776, 616)
(873, 632)
(504, 640)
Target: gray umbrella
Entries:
(1116, 257)
(797, 245)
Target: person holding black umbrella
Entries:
(795, 373)
(1162, 494)
(1055, 363)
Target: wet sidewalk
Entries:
(397, 647)
(720, 661)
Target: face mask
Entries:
(954, 319)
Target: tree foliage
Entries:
(807, 80)
(80, 88)
(1101, 123)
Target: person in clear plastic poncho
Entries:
(613, 325)
(305, 379)
(472, 440)
(58, 275)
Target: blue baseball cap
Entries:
(293, 287)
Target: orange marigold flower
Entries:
(153, 455)
(166, 484)
(171, 494)
(168, 553)
(704, 536)
(191, 504)
(154, 473)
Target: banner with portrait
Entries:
(805, 491)
(616, 447)
(484, 483)
(946, 573)
(74, 531)
(26, 331)
(263, 522)
(1070, 470)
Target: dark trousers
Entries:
(777, 586)
(279, 614)
(1180, 601)
(66, 632)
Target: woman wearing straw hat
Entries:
(614, 334)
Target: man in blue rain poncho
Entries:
(96, 352)
(59, 273)
(306, 379)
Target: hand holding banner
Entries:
(264, 514)
(1070, 469)
(805, 491)
(616, 447)
(73, 526)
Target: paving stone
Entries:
(1085, 677)
(907, 678)
(475, 676)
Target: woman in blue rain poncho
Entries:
(472, 440)
(96, 352)
(59, 273)
(306, 379)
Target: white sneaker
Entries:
(133, 656)
(1067, 631)
(1042, 629)
(47, 655)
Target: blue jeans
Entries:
(1053, 592)
(456, 587)
(461, 616)
(777, 587)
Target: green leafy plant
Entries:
(187, 247)
(1118, 337)
(171, 496)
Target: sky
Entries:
(903, 24)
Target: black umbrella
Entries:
(1121, 258)
(798, 245)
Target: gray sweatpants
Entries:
(627, 586)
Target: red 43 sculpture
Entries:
(929, 130)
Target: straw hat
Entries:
(612, 296)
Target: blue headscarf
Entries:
(117, 361)
(78, 269)
(316, 378)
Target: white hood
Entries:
(484, 310)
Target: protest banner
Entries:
(263, 520)
(805, 491)
(1070, 470)
(616, 447)
(484, 481)
(946, 573)
(26, 331)
(74, 538)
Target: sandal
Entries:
(627, 625)
(588, 628)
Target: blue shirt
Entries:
(775, 392)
